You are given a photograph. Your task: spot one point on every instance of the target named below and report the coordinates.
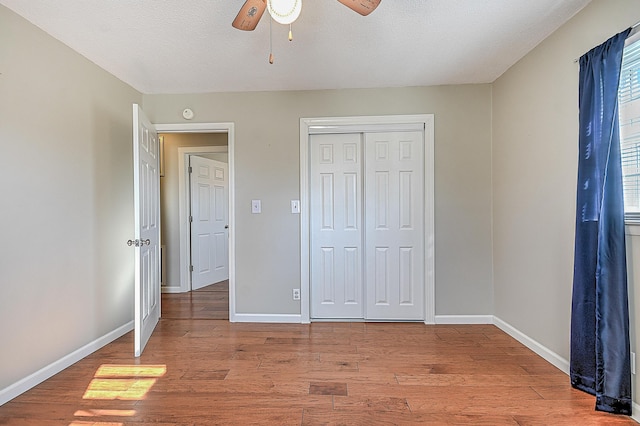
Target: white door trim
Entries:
(229, 129)
(365, 124)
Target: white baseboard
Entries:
(171, 289)
(464, 319)
(12, 391)
(297, 319)
(269, 318)
(635, 408)
(535, 346)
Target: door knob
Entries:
(226, 227)
(138, 243)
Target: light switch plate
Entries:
(256, 206)
(295, 206)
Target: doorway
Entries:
(177, 241)
(320, 282)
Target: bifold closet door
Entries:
(394, 226)
(336, 226)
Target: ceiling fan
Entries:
(285, 12)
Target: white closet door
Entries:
(336, 226)
(394, 206)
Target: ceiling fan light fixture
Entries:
(284, 11)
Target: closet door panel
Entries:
(336, 227)
(394, 229)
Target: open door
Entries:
(146, 184)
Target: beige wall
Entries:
(169, 195)
(66, 273)
(218, 157)
(535, 152)
(267, 168)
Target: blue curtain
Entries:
(600, 354)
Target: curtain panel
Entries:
(600, 354)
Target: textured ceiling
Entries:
(178, 46)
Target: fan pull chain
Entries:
(270, 41)
(290, 33)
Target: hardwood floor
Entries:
(206, 372)
(211, 302)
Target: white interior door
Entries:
(394, 194)
(146, 184)
(209, 225)
(336, 226)
(367, 226)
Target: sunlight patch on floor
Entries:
(114, 370)
(124, 382)
(124, 389)
(118, 382)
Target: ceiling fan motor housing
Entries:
(284, 11)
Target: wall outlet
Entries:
(296, 294)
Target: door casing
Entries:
(363, 124)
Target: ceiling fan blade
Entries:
(363, 7)
(249, 15)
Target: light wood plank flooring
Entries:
(210, 302)
(208, 372)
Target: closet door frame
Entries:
(368, 124)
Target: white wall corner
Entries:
(21, 386)
(546, 353)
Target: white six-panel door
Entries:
(146, 184)
(209, 210)
(336, 226)
(394, 188)
(366, 226)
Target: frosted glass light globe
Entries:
(284, 11)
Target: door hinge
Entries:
(190, 218)
(190, 169)
(190, 268)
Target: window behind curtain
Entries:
(629, 104)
